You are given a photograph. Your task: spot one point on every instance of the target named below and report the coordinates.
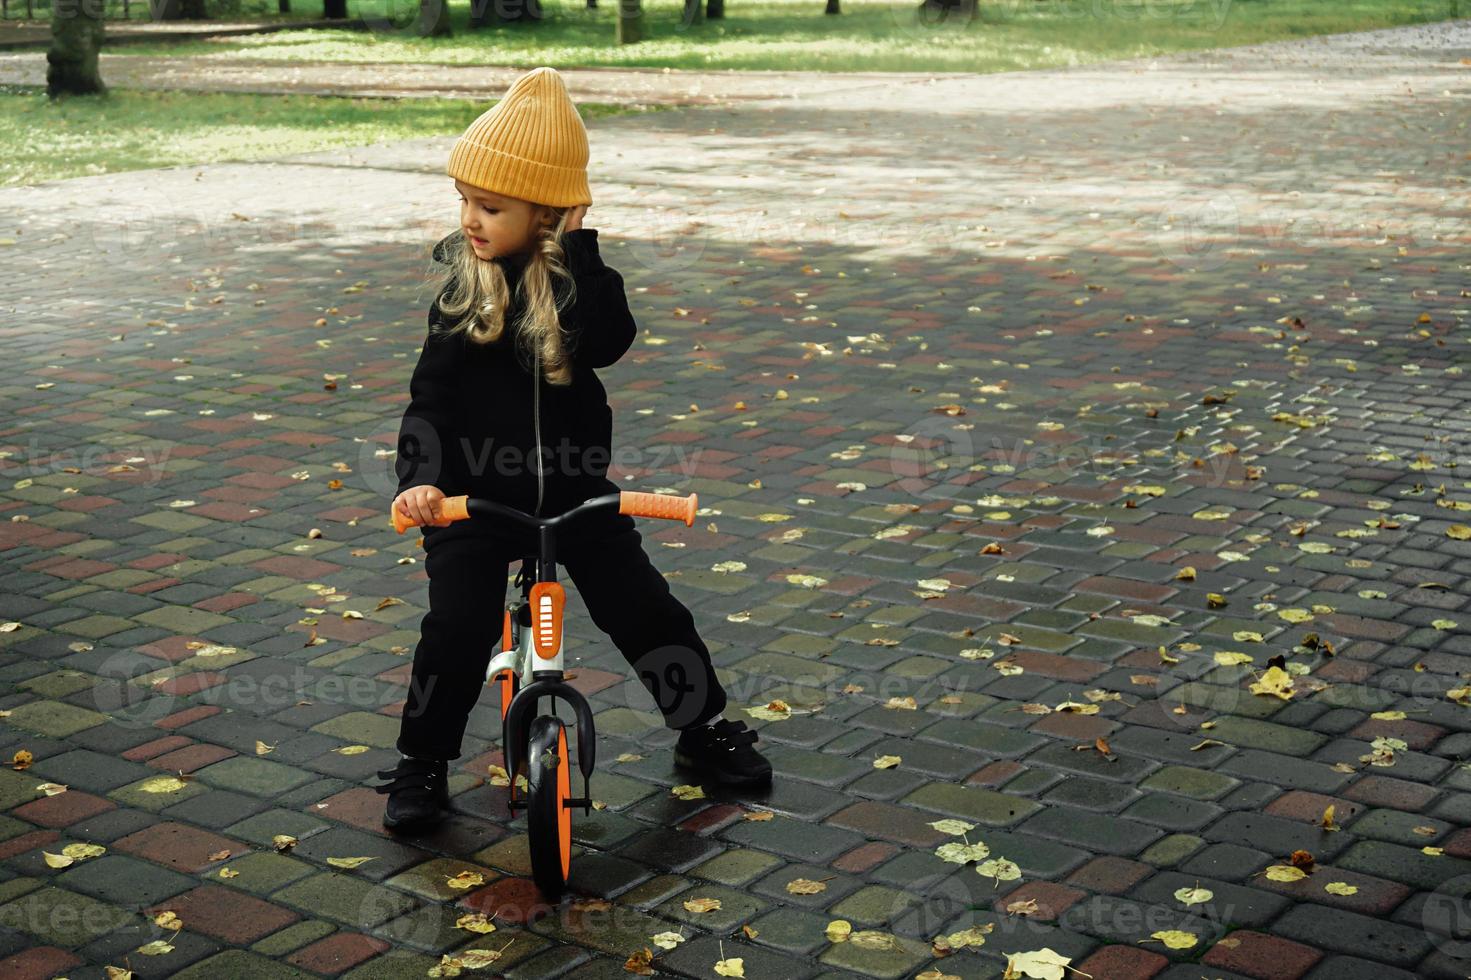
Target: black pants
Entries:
(624, 593)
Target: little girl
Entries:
(504, 404)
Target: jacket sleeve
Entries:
(598, 324)
(424, 435)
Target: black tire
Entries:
(548, 821)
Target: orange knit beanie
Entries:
(531, 144)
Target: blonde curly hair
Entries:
(475, 295)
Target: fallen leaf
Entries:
(1285, 872)
(839, 930)
(733, 967)
(349, 862)
(667, 940)
(1194, 896)
(1175, 938)
(688, 792)
(699, 905)
(1340, 888)
(886, 762)
(475, 922)
(952, 827)
(1042, 964)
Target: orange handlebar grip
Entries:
(636, 503)
(450, 509)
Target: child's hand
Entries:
(421, 505)
(574, 218)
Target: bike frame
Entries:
(532, 625)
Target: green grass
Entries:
(132, 130)
(870, 35)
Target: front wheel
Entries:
(548, 820)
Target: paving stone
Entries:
(1345, 932)
(122, 880)
(736, 908)
(814, 843)
(244, 964)
(227, 914)
(1232, 904)
(353, 902)
(1094, 832)
(293, 937)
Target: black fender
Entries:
(516, 727)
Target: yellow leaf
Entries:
(975, 936)
(156, 948)
(999, 869)
(698, 905)
(1276, 682)
(759, 816)
(839, 930)
(732, 967)
(81, 851)
(350, 749)
(1458, 531)
(229, 873)
(805, 886)
(1175, 938)
(56, 860)
(261, 748)
(1285, 872)
(1042, 964)
(465, 880)
(1433, 851)
(873, 939)
(168, 919)
(478, 959)
(1388, 716)
(350, 862)
(1194, 896)
(952, 827)
(52, 789)
(688, 792)
(163, 784)
(906, 703)
(667, 940)
(1232, 658)
(886, 762)
(1340, 888)
(283, 842)
(957, 853)
(771, 711)
(475, 922)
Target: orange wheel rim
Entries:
(564, 793)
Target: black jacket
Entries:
(470, 427)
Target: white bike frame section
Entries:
(521, 659)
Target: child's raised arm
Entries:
(598, 325)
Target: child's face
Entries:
(497, 225)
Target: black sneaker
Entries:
(418, 793)
(725, 751)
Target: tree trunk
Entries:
(957, 11)
(331, 9)
(71, 61)
(714, 9)
(694, 12)
(433, 19)
(630, 21)
(516, 11)
(832, 7)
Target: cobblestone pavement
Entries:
(966, 373)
